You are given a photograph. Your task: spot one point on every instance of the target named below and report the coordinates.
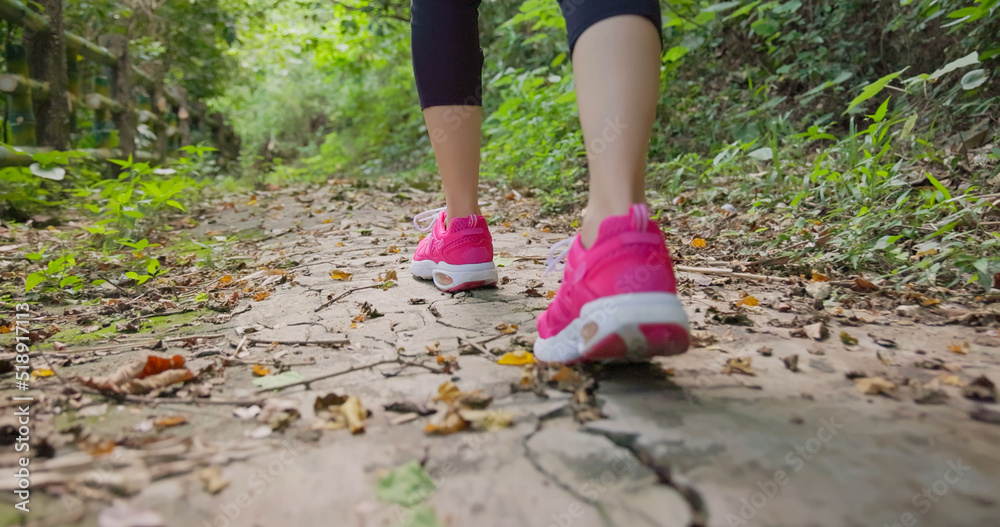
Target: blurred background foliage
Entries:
(852, 134)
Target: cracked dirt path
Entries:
(681, 443)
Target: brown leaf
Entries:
(738, 365)
(864, 286)
(169, 421)
(875, 386)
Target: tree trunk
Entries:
(47, 56)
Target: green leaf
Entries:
(69, 280)
(422, 516)
(937, 184)
(765, 27)
(722, 6)
(882, 109)
(968, 60)
(407, 485)
(33, 280)
(675, 53)
(275, 381)
(500, 261)
(176, 205)
(973, 79)
(762, 154)
(873, 89)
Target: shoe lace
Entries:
(555, 260)
(420, 220)
(421, 223)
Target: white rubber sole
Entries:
(452, 278)
(628, 327)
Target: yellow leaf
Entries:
(928, 301)
(42, 373)
(928, 252)
(328, 220)
(355, 414)
(961, 348)
(394, 249)
(448, 392)
(699, 243)
(451, 423)
(261, 296)
(169, 421)
(260, 371)
(517, 358)
(340, 244)
(748, 301)
(226, 279)
(819, 277)
(337, 274)
(506, 329)
(952, 380)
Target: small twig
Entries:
(325, 376)
(479, 347)
(206, 337)
(342, 295)
(166, 400)
(320, 343)
(734, 274)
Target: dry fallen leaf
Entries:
(961, 348)
(488, 420)
(952, 380)
(981, 389)
(875, 386)
(864, 286)
(506, 329)
(699, 243)
(355, 415)
(260, 371)
(516, 358)
(169, 421)
(261, 296)
(738, 365)
(748, 300)
(44, 372)
(819, 277)
(137, 378)
(337, 274)
(449, 423)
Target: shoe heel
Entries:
(640, 342)
(665, 339)
(455, 281)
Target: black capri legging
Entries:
(447, 59)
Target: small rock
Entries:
(791, 362)
(925, 395)
(985, 415)
(784, 308)
(817, 331)
(819, 290)
(765, 351)
(821, 365)
(981, 389)
(908, 311)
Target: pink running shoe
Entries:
(618, 298)
(458, 257)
